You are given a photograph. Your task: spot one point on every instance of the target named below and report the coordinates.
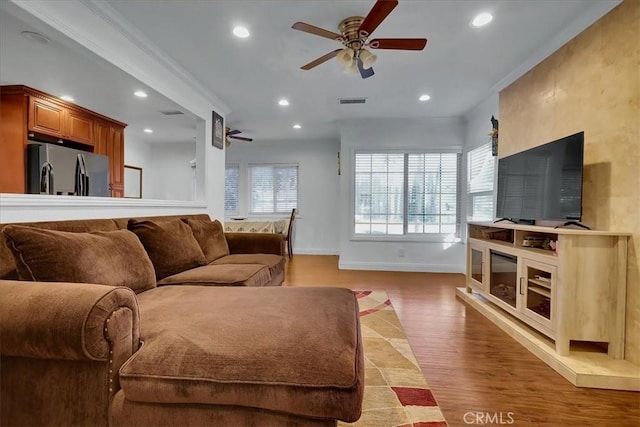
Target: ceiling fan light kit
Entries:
(355, 31)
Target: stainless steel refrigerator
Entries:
(54, 169)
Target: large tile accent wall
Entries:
(591, 84)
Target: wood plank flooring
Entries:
(469, 363)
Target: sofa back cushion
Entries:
(210, 237)
(171, 245)
(7, 264)
(114, 258)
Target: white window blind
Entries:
(231, 188)
(480, 183)
(406, 193)
(273, 188)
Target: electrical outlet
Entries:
(401, 253)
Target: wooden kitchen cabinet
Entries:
(52, 119)
(46, 117)
(109, 140)
(100, 137)
(115, 151)
(79, 127)
(27, 113)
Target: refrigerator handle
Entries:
(81, 176)
(46, 178)
(85, 177)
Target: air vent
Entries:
(352, 100)
(172, 112)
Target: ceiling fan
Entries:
(355, 32)
(230, 135)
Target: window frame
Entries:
(406, 237)
(249, 189)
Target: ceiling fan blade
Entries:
(364, 72)
(320, 60)
(400, 44)
(312, 29)
(376, 15)
(241, 138)
(234, 132)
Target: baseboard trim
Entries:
(408, 267)
(315, 251)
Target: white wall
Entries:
(478, 122)
(445, 133)
(138, 153)
(171, 176)
(316, 230)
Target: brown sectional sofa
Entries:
(175, 351)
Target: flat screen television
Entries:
(542, 183)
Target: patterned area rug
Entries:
(395, 392)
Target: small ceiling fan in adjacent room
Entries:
(231, 135)
(355, 32)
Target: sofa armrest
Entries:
(255, 243)
(68, 321)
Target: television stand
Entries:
(564, 301)
(576, 223)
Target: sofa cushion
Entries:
(170, 245)
(275, 263)
(207, 345)
(114, 258)
(210, 237)
(252, 275)
(7, 264)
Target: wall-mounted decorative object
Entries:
(218, 131)
(494, 136)
(132, 182)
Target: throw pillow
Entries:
(114, 258)
(170, 245)
(210, 237)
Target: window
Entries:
(231, 185)
(273, 188)
(406, 193)
(480, 177)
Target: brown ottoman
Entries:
(294, 351)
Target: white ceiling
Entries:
(459, 67)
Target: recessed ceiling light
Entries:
(147, 130)
(67, 98)
(140, 94)
(482, 19)
(241, 32)
(424, 97)
(297, 126)
(283, 102)
(35, 37)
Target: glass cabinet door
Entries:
(476, 266)
(538, 290)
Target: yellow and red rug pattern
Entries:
(396, 393)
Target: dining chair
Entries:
(289, 233)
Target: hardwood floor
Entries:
(469, 363)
